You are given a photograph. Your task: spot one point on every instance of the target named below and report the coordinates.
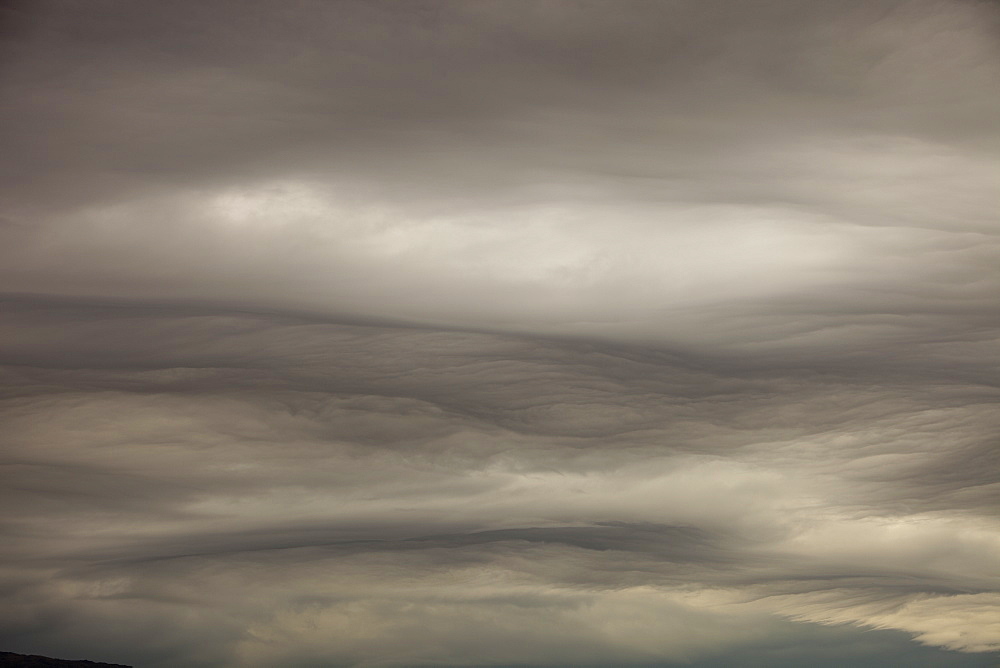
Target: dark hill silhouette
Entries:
(12, 660)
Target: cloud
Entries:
(553, 333)
(165, 457)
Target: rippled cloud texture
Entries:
(501, 333)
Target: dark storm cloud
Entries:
(500, 333)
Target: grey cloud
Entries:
(263, 439)
(481, 333)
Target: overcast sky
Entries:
(501, 332)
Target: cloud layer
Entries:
(509, 334)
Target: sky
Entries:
(619, 333)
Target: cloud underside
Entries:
(511, 334)
(272, 489)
